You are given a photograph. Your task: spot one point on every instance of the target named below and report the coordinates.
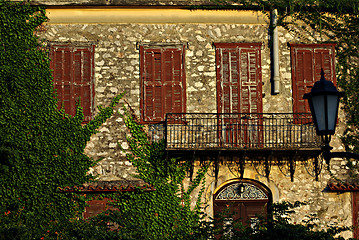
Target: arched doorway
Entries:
(242, 200)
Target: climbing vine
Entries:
(41, 147)
(165, 213)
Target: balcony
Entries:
(279, 133)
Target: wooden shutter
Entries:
(251, 80)
(239, 90)
(73, 77)
(162, 82)
(83, 80)
(307, 62)
(239, 79)
(61, 63)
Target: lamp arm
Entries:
(328, 155)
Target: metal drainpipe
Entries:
(275, 53)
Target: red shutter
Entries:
(173, 81)
(324, 58)
(239, 90)
(251, 81)
(73, 77)
(152, 85)
(229, 82)
(163, 88)
(83, 83)
(239, 80)
(61, 64)
(304, 79)
(307, 62)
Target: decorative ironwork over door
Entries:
(239, 90)
(242, 200)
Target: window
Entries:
(307, 62)
(239, 90)
(239, 77)
(73, 74)
(96, 207)
(163, 82)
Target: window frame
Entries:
(73, 49)
(162, 50)
(255, 47)
(309, 48)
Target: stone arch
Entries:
(242, 200)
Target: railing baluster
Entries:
(237, 131)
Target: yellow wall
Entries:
(118, 15)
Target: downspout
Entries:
(275, 53)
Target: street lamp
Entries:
(323, 101)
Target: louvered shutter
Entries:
(163, 82)
(251, 81)
(73, 78)
(173, 80)
(228, 80)
(307, 62)
(61, 63)
(239, 90)
(239, 80)
(304, 78)
(324, 58)
(152, 85)
(83, 80)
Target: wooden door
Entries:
(240, 202)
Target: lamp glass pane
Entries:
(319, 111)
(332, 111)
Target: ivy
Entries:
(41, 147)
(165, 213)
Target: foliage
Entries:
(76, 229)
(166, 212)
(41, 148)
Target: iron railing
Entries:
(240, 131)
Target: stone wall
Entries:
(117, 70)
(332, 209)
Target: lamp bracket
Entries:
(330, 155)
